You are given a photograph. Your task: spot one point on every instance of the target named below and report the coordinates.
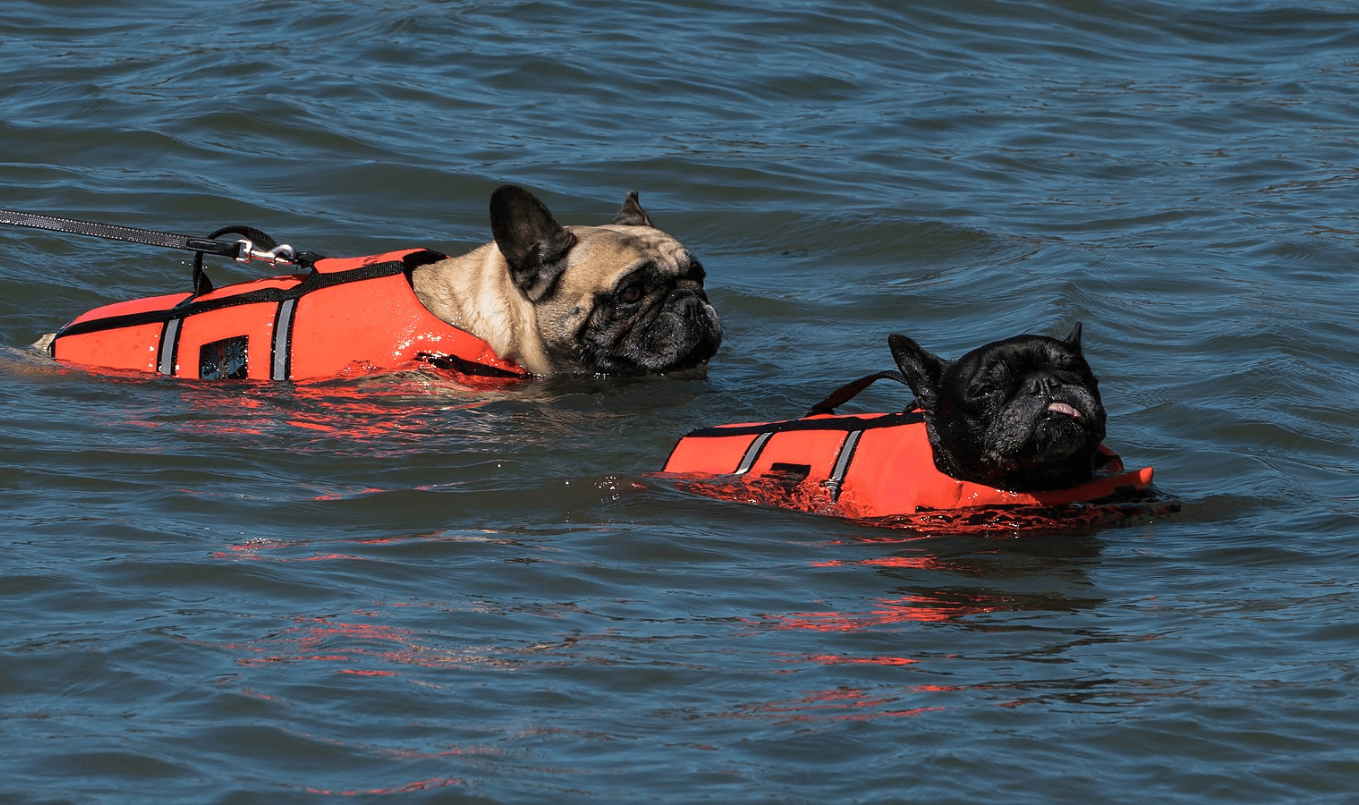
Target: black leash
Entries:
(253, 245)
(243, 250)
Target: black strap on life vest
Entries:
(452, 363)
(851, 390)
(192, 304)
(844, 423)
(852, 426)
(285, 298)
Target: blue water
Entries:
(399, 586)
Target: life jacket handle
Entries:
(851, 390)
(255, 244)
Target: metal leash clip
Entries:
(280, 254)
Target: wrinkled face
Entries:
(1026, 409)
(630, 302)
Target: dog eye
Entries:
(631, 293)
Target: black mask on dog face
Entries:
(1023, 413)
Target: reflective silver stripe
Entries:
(752, 453)
(283, 336)
(169, 345)
(837, 476)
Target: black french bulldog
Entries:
(1022, 414)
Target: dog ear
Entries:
(1074, 340)
(631, 213)
(923, 370)
(533, 243)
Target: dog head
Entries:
(1022, 414)
(620, 299)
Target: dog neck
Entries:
(473, 292)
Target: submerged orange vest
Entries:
(858, 466)
(347, 315)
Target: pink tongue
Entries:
(1063, 408)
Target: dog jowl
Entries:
(1023, 413)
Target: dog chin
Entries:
(1042, 457)
(1055, 440)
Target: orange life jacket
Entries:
(857, 466)
(347, 315)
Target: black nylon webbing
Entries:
(846, 423)
(850, 390)
(190, 306)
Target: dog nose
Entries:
(684, 292)
(1041, 384)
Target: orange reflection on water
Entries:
(835, 659)
(911, 562)
(1007, 521)
(358, 409)
(911, 609)
(357, 644)
(407, 788)
(257, 552)
(836, 704)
